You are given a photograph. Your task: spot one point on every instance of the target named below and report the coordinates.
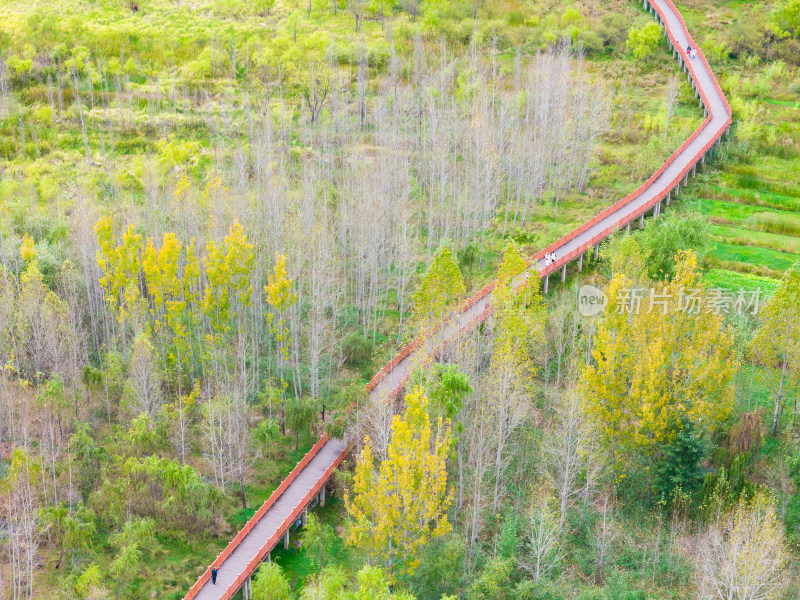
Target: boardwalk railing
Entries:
(206, 576)
(483, 296)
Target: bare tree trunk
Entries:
(779, 399)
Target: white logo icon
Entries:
(591, 300)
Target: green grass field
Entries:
(751, 192)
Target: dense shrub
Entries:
(357, 350)
(643, 42)
(663, 237)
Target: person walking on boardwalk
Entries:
(214, 575)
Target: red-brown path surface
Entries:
(237, 562)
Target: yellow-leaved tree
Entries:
(120, 266)
(519, 321)
(658, 361)
(281, 297)
(777, 343)
(171, 280)
(172, 274)
(228, 289)
(403, 504)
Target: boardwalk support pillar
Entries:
(246, 589)
(564, 272)
(669, 197)
(628, 227)
(322, 496)
(596, 250)
(304, 517)
(546, 283)
(286, 540)
(580, 263)
(641, 221)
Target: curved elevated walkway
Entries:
(305, 484)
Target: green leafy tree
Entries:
(90, 583)
(494, 582)
(663, 237)
(300, 416)
(330, 584)
(787, 16)
(680, 465)
(263, 7)
(294, 22)
(450, 387)
(270, 583)
(333, 583)
(88, 457)
(643, 42)
(132, 545)
(439, 289)
(265, 435)
(318, 538)
(441, 568)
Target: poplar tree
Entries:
(777, 342)
(744, 554)
(439, 289)
(520, 316)
(280, 296)
(655, 366)
(402, 505)
(519, 332)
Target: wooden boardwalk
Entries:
(305, 484)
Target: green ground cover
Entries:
(751, 192)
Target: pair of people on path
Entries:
(691, 51)
(549, 258)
